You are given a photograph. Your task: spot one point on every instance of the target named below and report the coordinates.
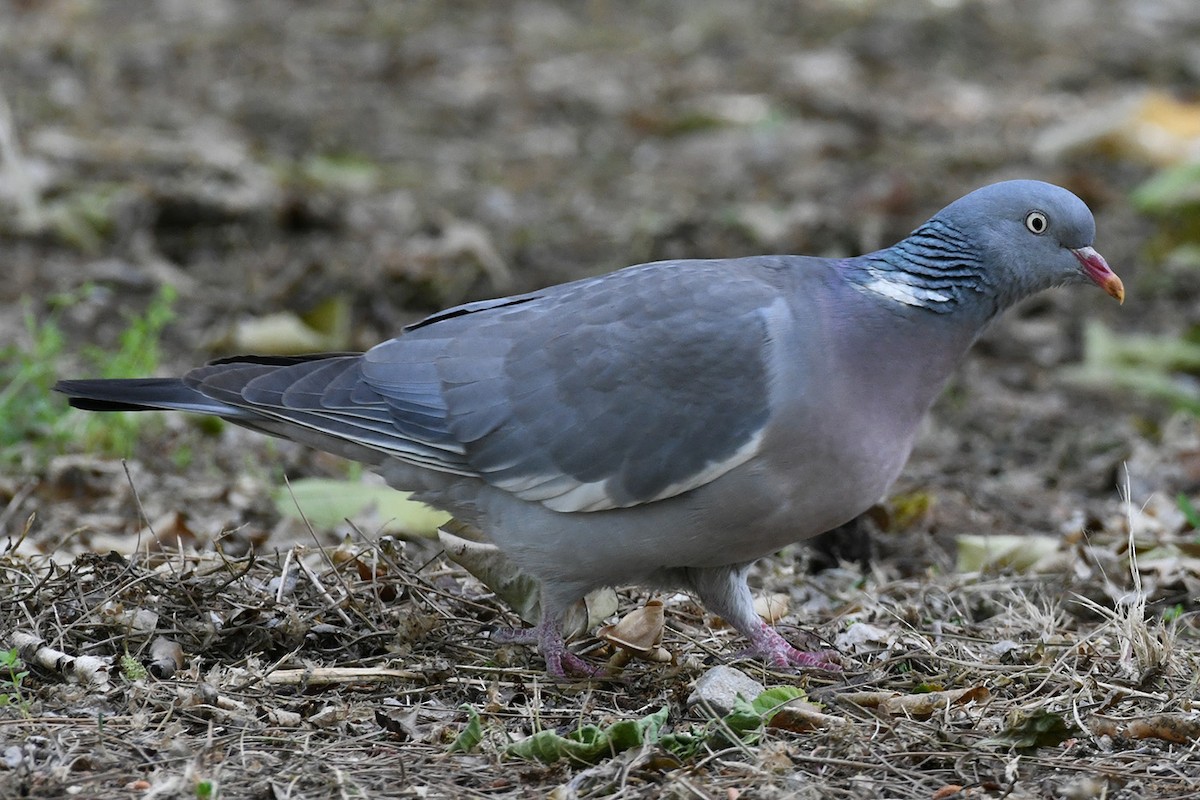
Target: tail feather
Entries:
(320, 400)
(143, 394)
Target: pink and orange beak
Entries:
(1097, 269)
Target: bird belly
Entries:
(752, 511)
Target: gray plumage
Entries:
(672, 422)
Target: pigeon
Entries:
(669, 423)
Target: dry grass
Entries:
(345, 671)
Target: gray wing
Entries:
(404, 415)
(599, 394)
(328, 396)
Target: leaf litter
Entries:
(173, 635)
(155, 664)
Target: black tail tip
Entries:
(95, 395)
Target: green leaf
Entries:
(132, 669)
(347, 172)
(1172, 188)
(744, 721)
(10, 659)
(1154, 366)
(333, 319)
(471, 735)
(683, 744)
(769, 701)
(590, 743)
(1189, 510)
(1043, 729)
(326, 502)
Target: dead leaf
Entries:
(920, 705)
(170, 530)
(867, 699)
(1177, 728)
(282, 333)
(800, 715)
(979, 552)
(1153, 127)
(166, 658)
(862, 636)
(772, 607)
(927, 704)
(638, 635)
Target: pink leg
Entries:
(723, 590)
(549, 640)
(767, 643)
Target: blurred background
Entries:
(183, 180)
(186, 179)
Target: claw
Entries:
(767, 644)
(561, 663)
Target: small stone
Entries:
(720, 687)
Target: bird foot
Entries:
(767, 644)
(561, 663)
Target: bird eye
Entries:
(1036, 222)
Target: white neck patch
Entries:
(892, 285)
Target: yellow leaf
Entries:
(325, 503)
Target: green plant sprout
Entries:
(33, 414)
(11, 693)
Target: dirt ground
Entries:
(377, 161)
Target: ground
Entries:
(363, 164)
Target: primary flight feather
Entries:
(669, 423)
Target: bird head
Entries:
(1034, 235)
